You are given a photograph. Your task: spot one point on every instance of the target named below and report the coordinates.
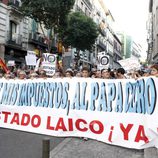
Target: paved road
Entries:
(17, 144)
(78, 148)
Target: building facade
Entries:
(97, 10)
(19, 34)
(13, 32)
(152, 26)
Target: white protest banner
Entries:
(11, 63)
(31, 58)
(130, 63)
(117, 112)
(49, 63)
(31, 53)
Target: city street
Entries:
(17, 144)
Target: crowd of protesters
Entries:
(119, 73)
(25, 72)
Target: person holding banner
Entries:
(120, 73)
(98, 74)
(105, 74)
(69, 73)
(22, 75)
(7, 76)
(42, 74)
(85, 72)
(154, 70)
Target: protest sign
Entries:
(103, 61)
(130, 64)
(11, 63)
(31, 58)
(49, 63)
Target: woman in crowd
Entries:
(154, 70)
(69, 73)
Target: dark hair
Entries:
(70, 72)
(112, 74)
(155, 66)
(85, 69)
(121, 70)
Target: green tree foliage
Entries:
(80, 31)
(48, 12)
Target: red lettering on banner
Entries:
(70, 122)
(84, 129)
(48, 123)
(6, 116)
(101, 127)
(126, 130)
(60, 125)
(36, 121)
(22, 119)
(25, 119)
(110, 135)
(141, 135)
(15, 119)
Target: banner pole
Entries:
(45, 148)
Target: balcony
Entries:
(101, 44)
(88, 4)
(13, 6)
(14, 39)
(14, 3)
(103, 32)
(78, 9)
(117, 53)
(37, 38)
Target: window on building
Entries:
(156, 15)
(13, 30)
(156, 43)
(82, 5)
(86, 12)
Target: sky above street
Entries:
(131, 17)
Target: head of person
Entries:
(94, 70)
(57, 74)
(78, 74)
(22, 74)
(69, 73)
(98, 74)
(154, 70)
(120, 73)
(42, 74)
(7, 76)
(33, 75)
(85, 72)
(1, 75)
(93, 73)
(105, 73)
